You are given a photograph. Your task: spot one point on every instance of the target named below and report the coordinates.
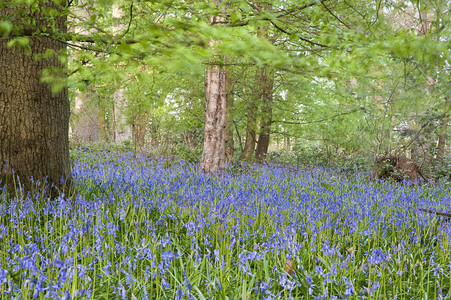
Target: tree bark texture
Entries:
(266, 121)
(34, 122)
(443, 131)
(213, 154)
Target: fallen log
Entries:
(439, 213)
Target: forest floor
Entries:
(141, 228)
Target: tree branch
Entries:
(130, 21)
(301, 38)
(316, 121)
(299, 8)
(336, 17)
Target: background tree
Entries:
(85, 115)
(331, 79)
(213, 154)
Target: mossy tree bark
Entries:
(34, 121)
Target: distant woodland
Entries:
(314, 82)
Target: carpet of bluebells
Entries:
(144, 228)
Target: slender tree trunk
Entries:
(229, 150)
(287, 143)
(139, 128)
(251, 123)
(229, 144)
(34, 122)
(213, 154)
(443, 131)
(265, 129)
(104, 131)
(122, 130)
(85, 127)
(85, 119)
(154, 133)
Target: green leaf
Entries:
(235, 16)
(5, 28)
(20, 42)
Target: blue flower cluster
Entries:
(142, 228)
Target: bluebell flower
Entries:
(374, 286)
(326, 249)
(122, 291)
(310, 284)
(377, 257)
(3, 276)
(188, 284)
(179, 294)
(106, 268)
(349, 291)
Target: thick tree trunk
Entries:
(265, 127)
(34, 122)
(213, 155)
(443, 131)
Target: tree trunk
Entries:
(34, 122)
(122, 130)
(251, 123)
(85, 119)
(443, 131)
(213, 154)
(229, 144)
(139, 129)
(105, 133)
(265, 129)
(85, 126)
